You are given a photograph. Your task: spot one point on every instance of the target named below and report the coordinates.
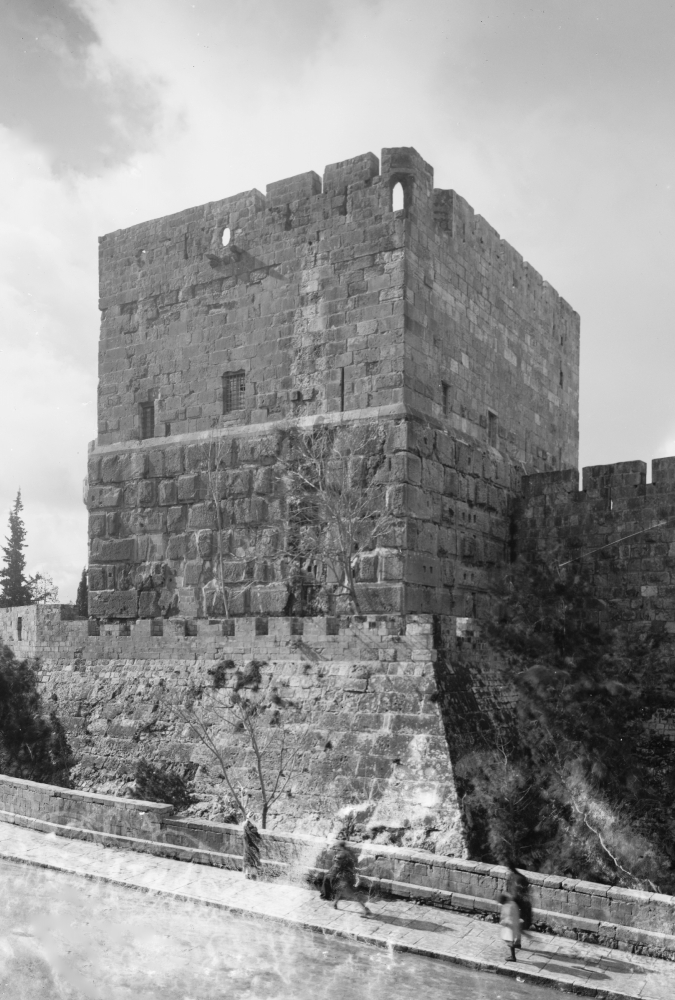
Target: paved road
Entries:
(63, 935)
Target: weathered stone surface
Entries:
(113, 604)
(422, 322)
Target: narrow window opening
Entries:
(19, 628)
(147, 420)
(234, 387)
(342, 388)
(446, 399)
(561, 379)
(397, 198)
(226, 236)
(492, 428)
(167, 429)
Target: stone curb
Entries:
(560, 982)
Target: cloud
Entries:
(61, 90)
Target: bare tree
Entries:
(336, 486)
(221, 719)
(43, 589)
(213, 465)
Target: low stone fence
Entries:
(624, 918)
(82, 810)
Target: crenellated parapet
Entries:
(618, 529)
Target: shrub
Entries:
(160, 784)
(33, 744)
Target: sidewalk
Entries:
(443, 934)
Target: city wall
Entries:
(361, 695)
(618, 529)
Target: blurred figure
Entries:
(518, 888)
(509, 920)
(252, 841)
(341, 881)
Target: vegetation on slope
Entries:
(576, 784)
(33, 744)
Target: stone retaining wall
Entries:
(360, 692)
(623, 918)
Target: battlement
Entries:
(618, 529)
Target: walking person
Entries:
(252, 842)
(509, 920)
(342, 879)
(518, 887)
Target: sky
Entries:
(553, 120)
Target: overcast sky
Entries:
(555, 122)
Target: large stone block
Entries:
(173, 460)
(104, 496)
(176, 519)
(201, 515)
(167, 492)
(188, 487)
(380, 598)
(113, 550)
(113, 604)
(149, 604)
(97, 525)
(270, 599)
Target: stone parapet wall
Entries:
(623, 918)
(618, 529)
(84, 810)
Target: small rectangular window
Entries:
(234, 386)
(19, 627)
(492, 428)
(147, 420)
(446, 399)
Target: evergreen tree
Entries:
(14, 587)
(82, 599)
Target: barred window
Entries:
(147, 420)
(234, 386)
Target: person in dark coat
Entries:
(252, 842)
(341, 881)
(518, 888)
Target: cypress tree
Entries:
(14, 587)
(81, 601)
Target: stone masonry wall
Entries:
(362, 692)
(332, 307)
(620, 530)
(154, 532)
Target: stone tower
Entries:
(232, 322)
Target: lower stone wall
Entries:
(68, 807)
(360, 692)
(623, 918)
